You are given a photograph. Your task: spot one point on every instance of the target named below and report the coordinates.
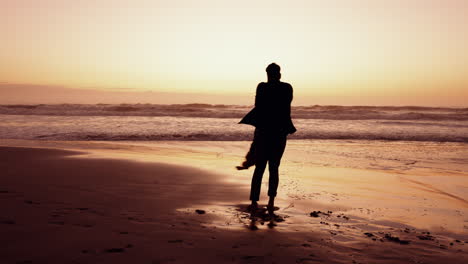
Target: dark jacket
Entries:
(272, 111)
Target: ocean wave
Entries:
(331, 112)
(248, 137)
(419, 124)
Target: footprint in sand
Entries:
(84, 225)
(57, 222)
(252, 257)
(31, 202)
(114, 250)
(8, 222)
(175, 241)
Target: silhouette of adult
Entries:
(271, 117)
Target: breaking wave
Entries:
(236, 111)
(148, 122)
(248, 136)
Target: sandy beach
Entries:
(183, 202)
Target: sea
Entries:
(206, 122)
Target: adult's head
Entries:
(273, 72)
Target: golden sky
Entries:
(352, 52)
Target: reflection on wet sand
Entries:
(258, 216)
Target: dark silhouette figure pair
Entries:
(271, 117)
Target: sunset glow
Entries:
(333, 52)
(215, 131)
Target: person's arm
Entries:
(290, 94)
(290, 126)
(259, 95)
(289, 99)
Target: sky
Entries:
(334, 52)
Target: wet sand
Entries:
(180, 203)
